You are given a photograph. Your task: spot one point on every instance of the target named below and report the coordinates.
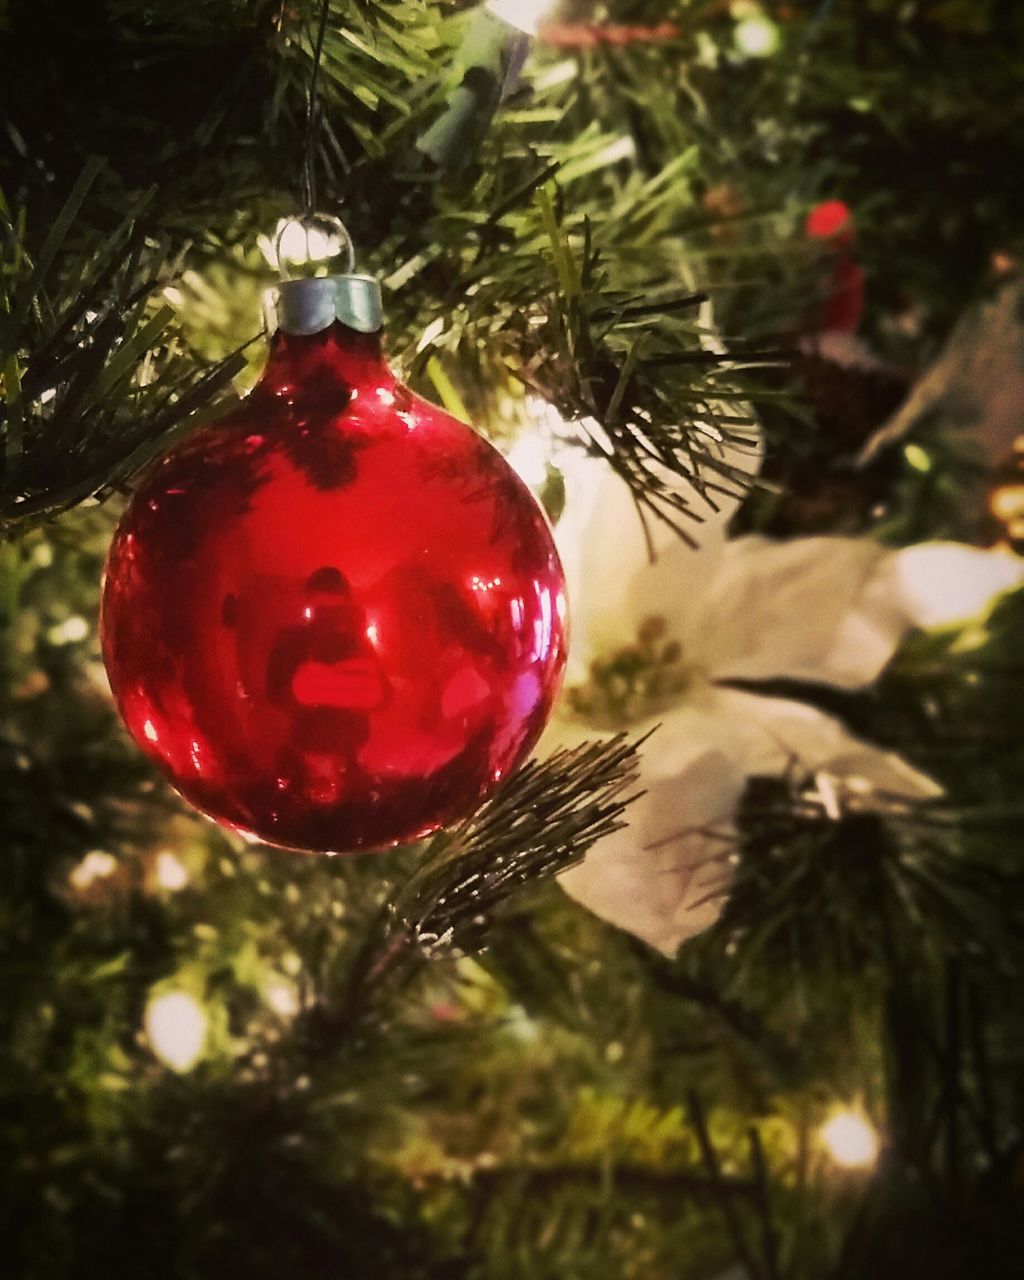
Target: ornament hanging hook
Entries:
(313, 117)
(325, 224)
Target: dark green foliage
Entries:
(94, 378)
(429, 1064)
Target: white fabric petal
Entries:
(941, 583)
(771, 735)
(815, 609)
(622, 568)
(665, 877)
(613, 583)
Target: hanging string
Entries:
(313, 118)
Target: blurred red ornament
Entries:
(831, 220)
(335, 619)
(843, 304)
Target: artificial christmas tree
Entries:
(431, 1062)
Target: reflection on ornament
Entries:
(96, 865)
(176, 1027)
(524, 15)
(528, 457)
(336, 618)
(1006, 497)
(295, 241)
(850, 1140)
(170, 871)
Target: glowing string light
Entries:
(850, 1140)
(69, 632)
(176, 1026)
(282, 997)
(170, 871)
(757, 36)
(96, 865)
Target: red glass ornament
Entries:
(843, 304)
(336, 618)
(831, 220)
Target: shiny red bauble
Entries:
(335, 619)
(842, 304)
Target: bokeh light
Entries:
(176, 1026)
(850, 1140)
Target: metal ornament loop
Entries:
(314, 222)
(314, 303)
(308, 304)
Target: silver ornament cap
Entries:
(312, 304)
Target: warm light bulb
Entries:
(1006, 503)
(1006, 495)
(170, 871)
(68, 632)
(850, 1140)
(96, 865)
(757, 36)
(526, 15)
(176, 1025)
(282, 997)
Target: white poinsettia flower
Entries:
(944, 583)
(654, 644)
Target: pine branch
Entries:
(540, 823)
(722, 1190)
(538, 290)
(551, 302)
(95, 379)
(821, 887)
(628, 1178)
